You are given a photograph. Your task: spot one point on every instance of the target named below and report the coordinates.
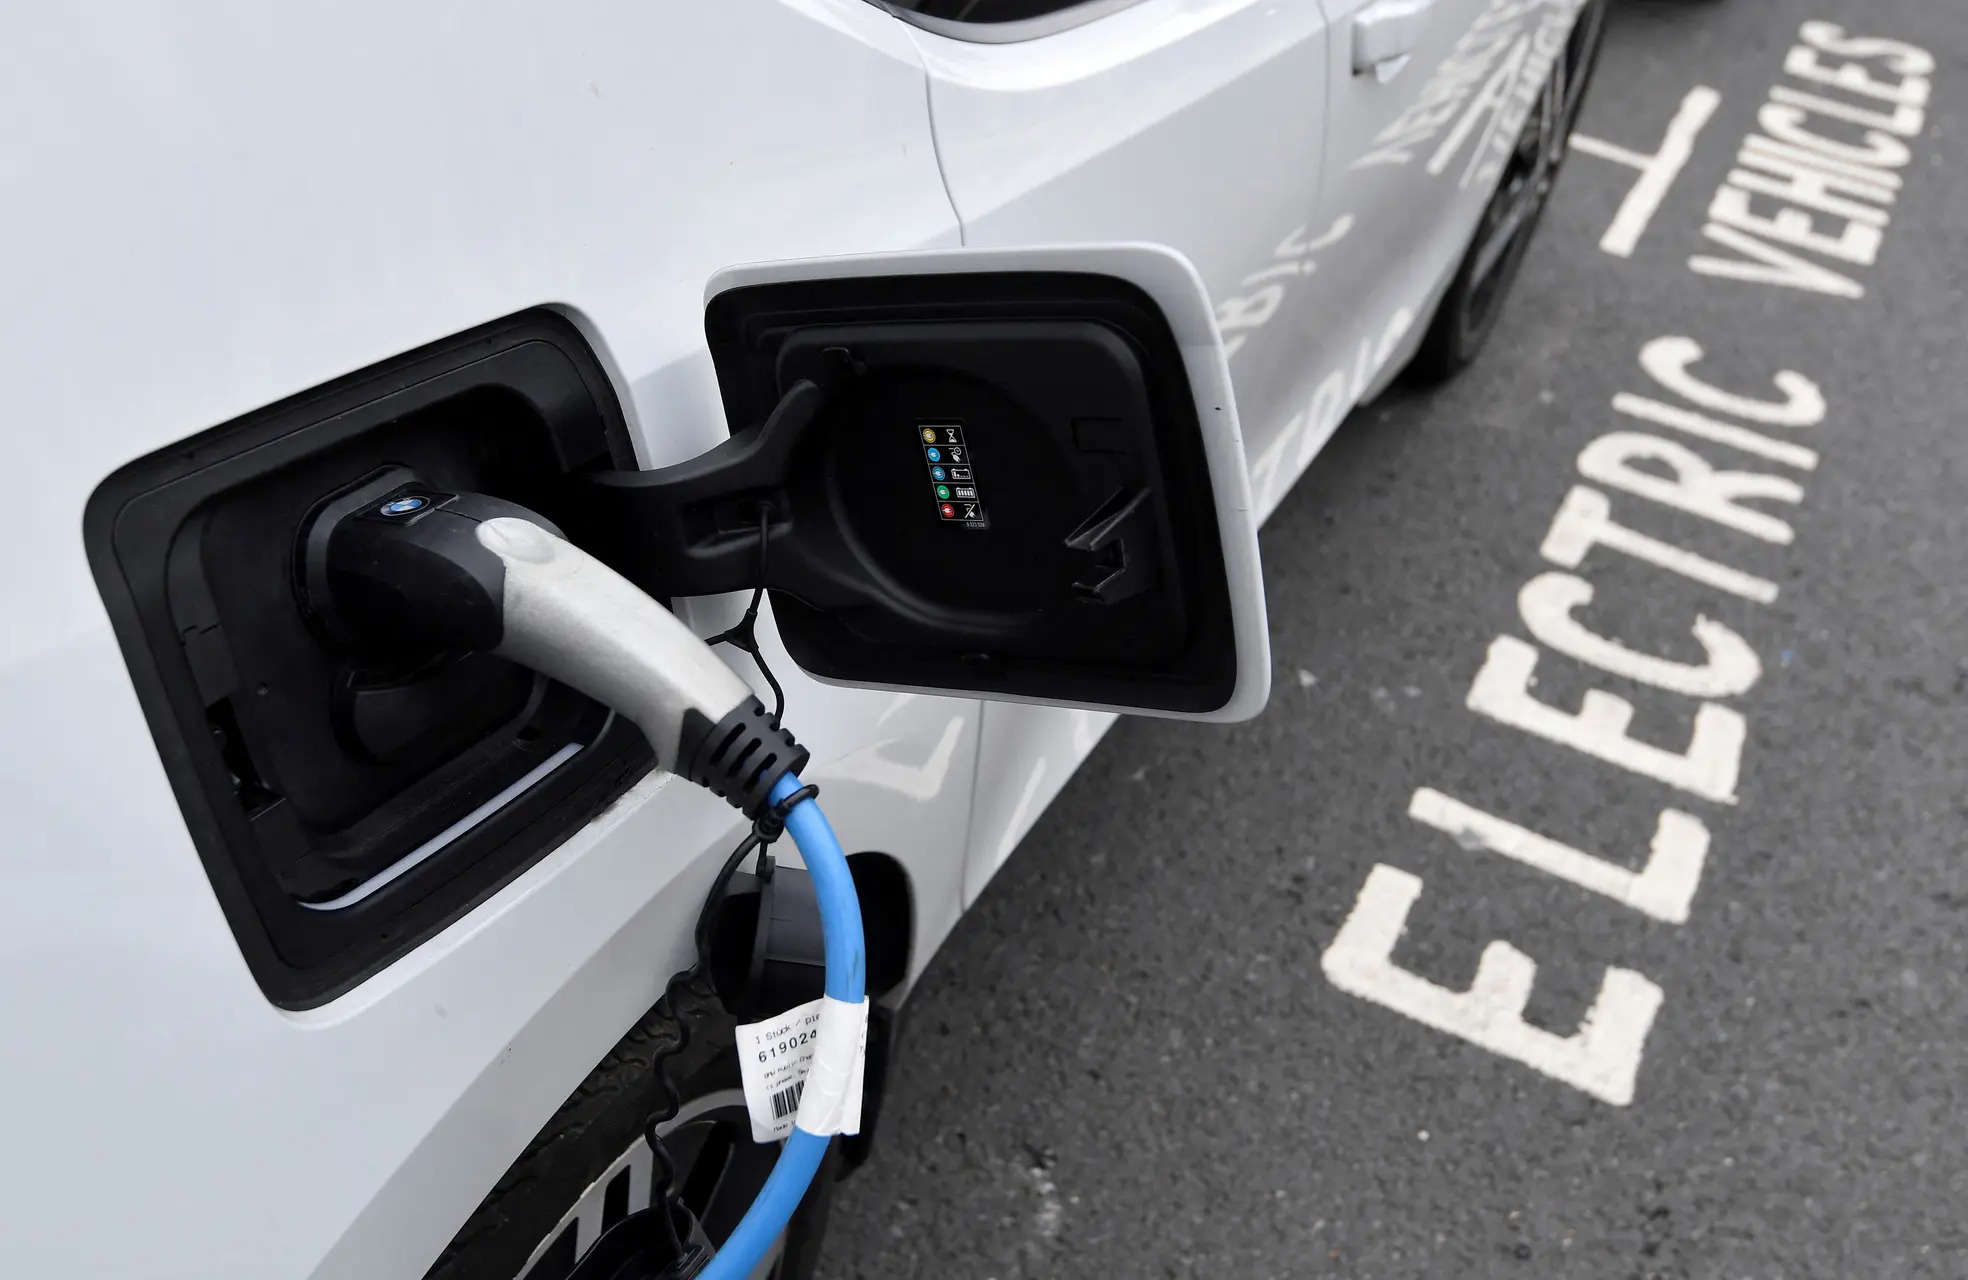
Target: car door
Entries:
(1198, 125)
(1195, 125)
(1426, 97)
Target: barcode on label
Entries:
(776, 1056)
(787, 1100)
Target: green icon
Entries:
(942, 490)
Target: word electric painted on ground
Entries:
(1602, 1057)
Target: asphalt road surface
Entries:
(1171, 1040)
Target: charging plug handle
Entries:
(395, 565)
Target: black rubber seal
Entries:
(741, 757)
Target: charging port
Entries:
(350, 802)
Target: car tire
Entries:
(1469, 310)
(589, 1166)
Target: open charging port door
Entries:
(1011, 474)
(1014, 475)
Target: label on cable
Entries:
(805, 1065)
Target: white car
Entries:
(319, 963)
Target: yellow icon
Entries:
(929, 435)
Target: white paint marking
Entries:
(1858, 242)
(1786, 122)
(1708, 768)
(1667, 360)
(1906, 121)
(1546, 604)
(1618, 155)
(1794, 182)
(1695, 424)
(1585, 520)
(1663, 889)
(1657, 171)
(1696, 487)
(1771, 265)
(1909, 60)
(1762, 152)
(1601, 1058)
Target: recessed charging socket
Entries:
(348, 801)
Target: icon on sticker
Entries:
(970, 511)
(957, 473)
(963, 491)
(935, 454)
(937, 473)
(950, 512)
(952, 436)
(956, 455)
(929, 435)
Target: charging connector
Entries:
(395, 563)
(398, 564)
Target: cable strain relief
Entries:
(741, 757)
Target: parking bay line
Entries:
(1657, 171)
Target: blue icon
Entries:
(404, 506)
(937, 473)
(935, 455)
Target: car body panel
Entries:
(1378, 247)
(228, 206)
(1196, 125)
(1325, 287)
(216, 207)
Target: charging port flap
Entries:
(1011, 474)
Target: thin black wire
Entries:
(744, 633)
(665, 1188)
(663, 1193)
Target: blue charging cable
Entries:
(847, 963)
(504, 582)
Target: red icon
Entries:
(949, 512)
